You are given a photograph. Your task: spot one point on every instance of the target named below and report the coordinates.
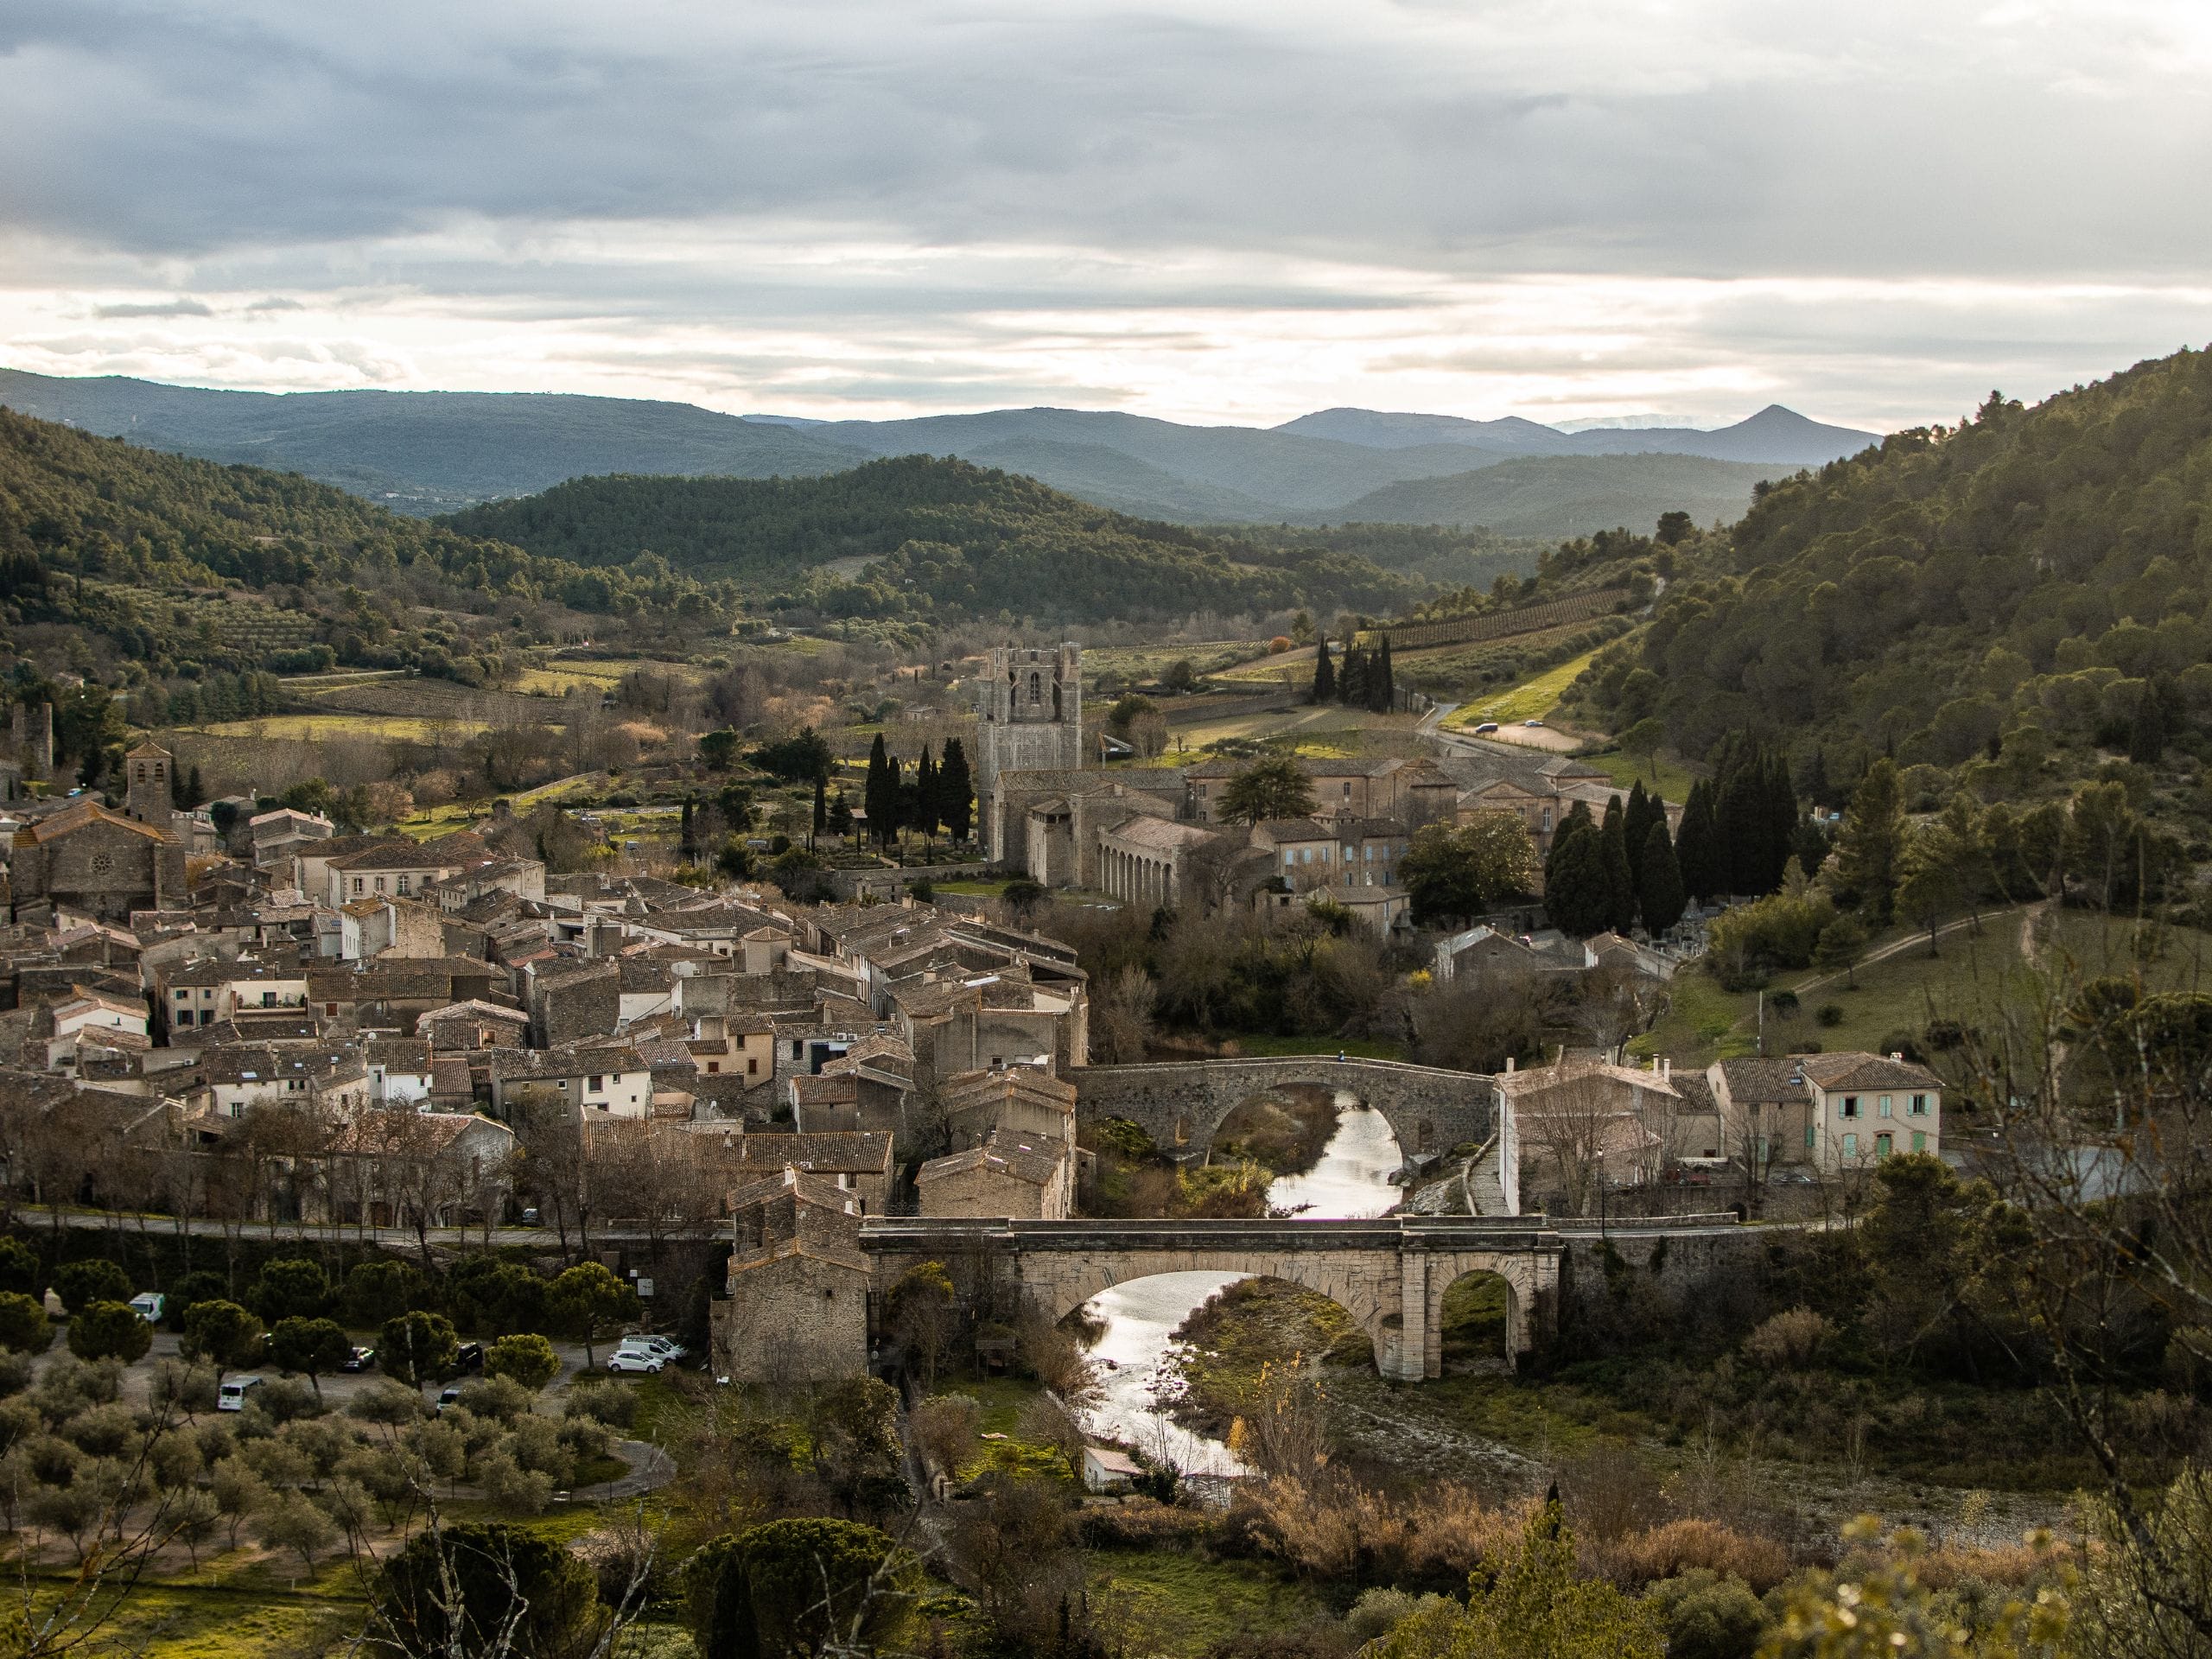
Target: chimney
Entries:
(1508, 1063)
(1666, 1069)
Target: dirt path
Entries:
(1895, 948)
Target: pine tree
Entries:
(1694, 850)
(841, 815)
(955, 794)
(821, 809)
(1659, 895)
(2146, 738)
(1325, 674)
(1870, 845)
(1813, 784)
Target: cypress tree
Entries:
(1620, 877)
(876, 800)
(954, 793)
(1381, 681)
(926, 796)
(1577, 817)
(821, 809)
(1642, 809)
(895, 801)
(1351, 679)
(1659, 893)
(1694, 851)
(1574, 881)
(687, 845)
(1325, 674)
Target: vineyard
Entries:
(241, 623)
(1479, 625)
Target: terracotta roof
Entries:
(1751, 1080)
(1860, 1070)
(82, 816)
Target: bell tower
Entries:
(149, 777)
(1028, 718)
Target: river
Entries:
(1351, 1177)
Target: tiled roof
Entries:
(1860, 1070)
(82, 816)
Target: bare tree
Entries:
(1571, 1124)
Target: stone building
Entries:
(104, 864)
(1144, 859)
(797, 1284)
(1026, 1177)
(1028, 718)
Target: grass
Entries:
(1185, 1604)
(1533, 699)
(316, 728)
(1673, 779)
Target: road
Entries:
(1547, 738)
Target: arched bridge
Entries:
(1180, 1105)
(1390, 1275)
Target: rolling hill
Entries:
(431, 452)
(1570, 495)
(938, 535)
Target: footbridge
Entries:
(1182, 1104)
(1389, 1274)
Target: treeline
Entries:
(940, 536)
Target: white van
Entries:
(147, 1305)
(233, 1394)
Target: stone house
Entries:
(461, 1026)
(1411, 792)
(859, 1162)
(391, 927)
(1143, 859)
(102, 864)
(571, 1001)
(797, 1284)
(1352, 852)
(399, 867)
(88, 1019)
(402, 1167)
(1026, 1177)
(1579, 1127)
(331, 1078)
(394, 992)
(1021, 1100)
(399, 1071)
(1868, 1107)
(202, 992)
(276, 835)
(614, 1081)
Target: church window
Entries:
(1036, 689)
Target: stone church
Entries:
(101, 863)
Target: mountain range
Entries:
(433, 452)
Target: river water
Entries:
(1352, 1178)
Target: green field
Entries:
(1532, 699)
(1174, 1603)
(1672, 778)
(321, 728)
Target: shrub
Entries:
(1791, 1341)
(1681, 1546)
(605, 1402)
(1708, 1617)
(1903, 1043)
(1830, 1014)
(528, 1360)
(189, 1292)
(19, 1267)
(15, 1372)
(24, 1327)
(1140, 1523)
(95, 1280)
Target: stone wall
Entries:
(1181, 1105)
(794, 1319)
(1633, 1280)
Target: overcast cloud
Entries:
(1221, 212)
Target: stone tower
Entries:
(1028, 718)
(147, 780)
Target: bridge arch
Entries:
(1181, 1105)
(1057, 1285)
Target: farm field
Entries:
(1533, 699)
(1328, 731)
(318, 729)
(1131, 665)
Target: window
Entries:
(1289, 856)
(752, 1067)
(1884, 1145)
(1850, 1145)
(595, 1084)
(357, 887)
(379, 884)
(1347, 791)
(1885, 1106)
(184, 1015)
(1920, 1140)
(1850, 1108)
(1547, 817)
(182, 995)
(1036, 689)
(142, 772)
(1919, 1106)
(269, 999)
(403, 884)
(1812, 1137)
(713, 1066)
(799, 1051)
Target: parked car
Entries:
(633, 1360)
(530, 1217)
(233, 1394)
(147, 1305)
(469, 1357)
(1487, 726)
(1532, 722)
(450, 1396)
(667, 1347)
(361, 1359)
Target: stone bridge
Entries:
(1180, 1105)
(1390, 1275)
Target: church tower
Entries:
(148, 777)
(1028, 718)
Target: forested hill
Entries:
(936, 534)
(2020, 600)
(172, 564)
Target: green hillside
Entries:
(938, 535)
(1570, 495)
(2015, 603)
(120, 562)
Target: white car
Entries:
(666, 1347)
(1532, 722)
(628, 1360)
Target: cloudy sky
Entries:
(1557, 208)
